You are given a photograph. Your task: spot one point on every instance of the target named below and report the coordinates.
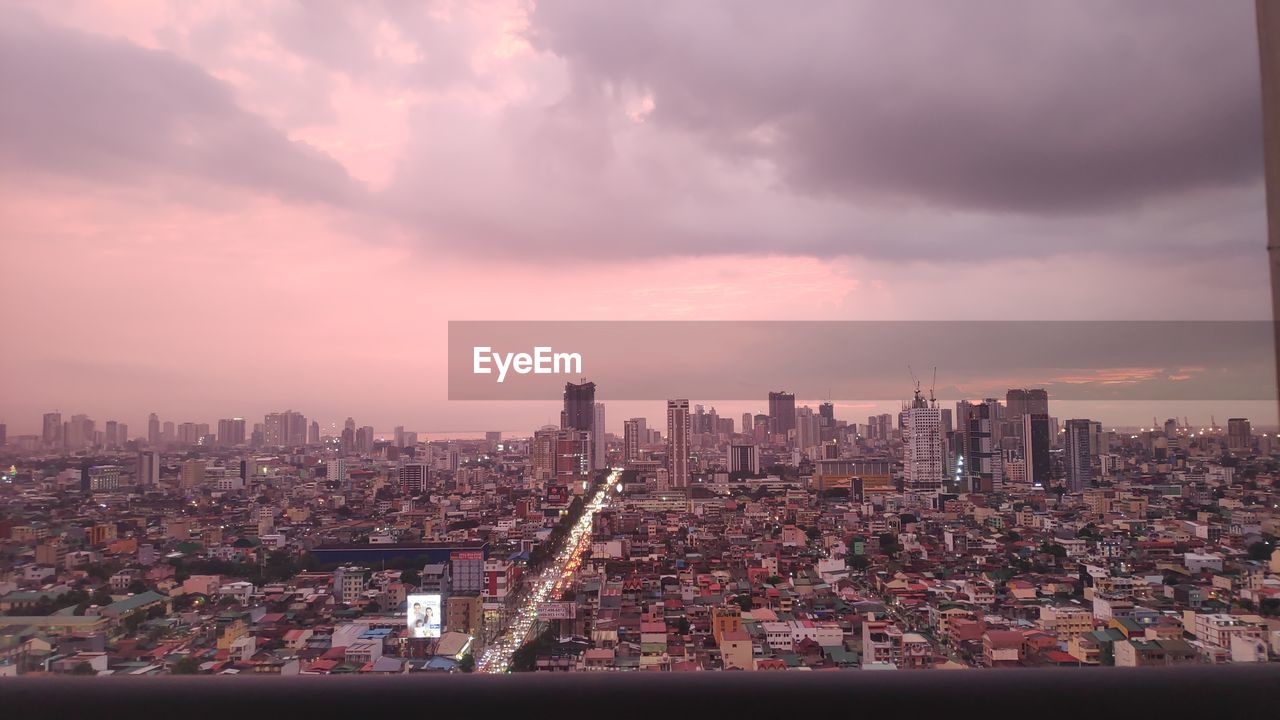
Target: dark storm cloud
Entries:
(90, 106)
(1033, 107)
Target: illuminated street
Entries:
(554, 578)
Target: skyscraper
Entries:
(922, 452)
(543, 453)
(52, 435)
(1239, 435)
(77, 434)
(1036, 439)
(782, 412)
(828, 413)
(678, 442)
(808, 429)
(231, 432)
(980, 443)
(148, 468)
(1079, 455)
(153, 430)
(364, 439)
(744, 458)
(579, 406)
(572, 454)
(599, 455)
(579, 411)
(631, 439)
(285, 429)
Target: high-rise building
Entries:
(231, 432)
(111, 434)
(1079, 455)
(1036, 441)
(745, 458)
(1239, 435)
(579, 406)
(335, 469)
(599, 454)
(980, 455)
(922, 450)
(148, 468)
(192, 474)
(285, 429)
(782, 412)
(828, 413)
(153, 430)
(413, 478)
(52, 435)
(579, 411)
(572, 455)
(77, 433)
(678, 442)
(808, 429)
(189, 434)
(313, 433)
(543, 453)
(632, 439)
(364, 439)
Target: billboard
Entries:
(556, 610)
(423, 615)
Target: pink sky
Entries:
(216, 209)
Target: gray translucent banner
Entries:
(863, 360)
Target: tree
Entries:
(1260, 550)
(411, 577)
(186, 666)
(744, 602)
(467, 663)
(857, 562)
(1053, 549)
(83, 668)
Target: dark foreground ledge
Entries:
(1201, 691)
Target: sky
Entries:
(217, 209)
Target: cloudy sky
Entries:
(215, 209)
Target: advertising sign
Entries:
(556, 610)
(423, 615)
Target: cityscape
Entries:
(988, 534)
(648, 359)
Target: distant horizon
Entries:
(1199, 418)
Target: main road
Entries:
(555, 576)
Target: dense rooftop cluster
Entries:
(776, 555)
